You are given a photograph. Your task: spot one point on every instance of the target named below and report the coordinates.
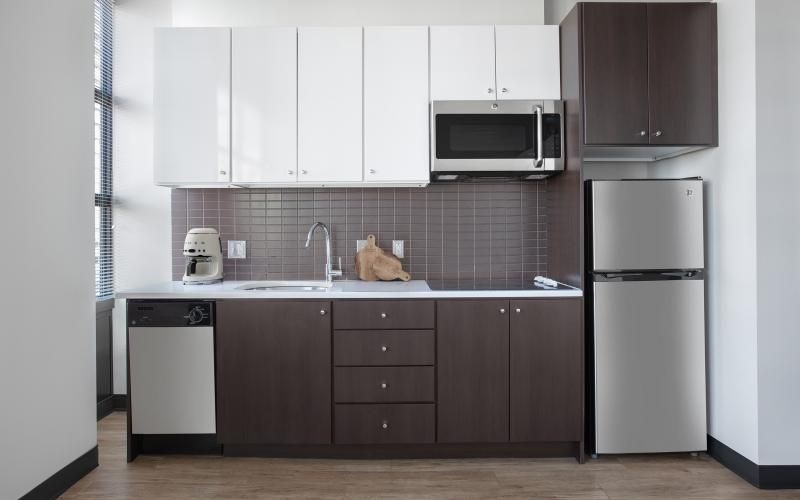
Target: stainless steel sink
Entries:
(287, 286)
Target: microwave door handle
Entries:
(537, 111)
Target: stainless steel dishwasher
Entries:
(171, 367)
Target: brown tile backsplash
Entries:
(468, 233)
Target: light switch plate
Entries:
(398, 248)
(237, 249)
(360, 244)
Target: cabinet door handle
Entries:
(372, 170)
(323, 312)
(384, 385)
(518, 310)
(384, 348)
(223, 172)
(658, 133)
(504, 90)
(304, 172)
(502, 311)
(491, 90)
(643, 133)
(384, 315)
(290, 172)
(385, 424)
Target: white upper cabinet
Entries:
(396, 114)
(488, 63)
(462, 63)
(329, 105)
(192, 96)
(264, 83)
(528, 62)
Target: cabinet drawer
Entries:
(383, 315)
(383, 347)
(384, 424)
(391, 384)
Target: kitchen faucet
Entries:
(330, 272)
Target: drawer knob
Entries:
(502, 311)
(323, 312)
(518, 310)
(384, 385)
(383, 316)
(384, 348)
(385, 424)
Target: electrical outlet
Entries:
(237, 249)
(360, 244)
(398, 248)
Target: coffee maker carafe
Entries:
(203, 251)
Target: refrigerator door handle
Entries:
(691, 274)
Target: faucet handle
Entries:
(337, 272)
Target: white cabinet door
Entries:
(528, 62)
(396, 119)
(264, 83)
(329, 105)
(192, 114)
(462, 63)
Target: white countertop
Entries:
(415, 289)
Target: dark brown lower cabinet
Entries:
(546, 370)
(273, 372)
(385, 424)
(510, 370)
(472, 368)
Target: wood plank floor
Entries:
(201, 477)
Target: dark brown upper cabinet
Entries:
(615, 73)
(682, 79)
(649, 78)
(273, 372)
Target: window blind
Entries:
(103, 108)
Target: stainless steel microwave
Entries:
(496, 139)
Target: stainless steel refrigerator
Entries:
(648, 315)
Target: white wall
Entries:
(142, 234)
(731, 236)
(778, 218)
(355, 12)
(47, 344)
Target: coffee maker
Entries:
(203, 251)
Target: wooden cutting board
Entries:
(388, 268)
(373, 264)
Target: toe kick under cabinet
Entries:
(449, 377)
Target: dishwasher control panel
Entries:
(170, 313)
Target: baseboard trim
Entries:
(765, 477)
(120, 402)
(62, 480)
(408, 451)
(192, 444)
(733, 460)
(105, 408)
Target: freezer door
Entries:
(650, 390)
(647, 225)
